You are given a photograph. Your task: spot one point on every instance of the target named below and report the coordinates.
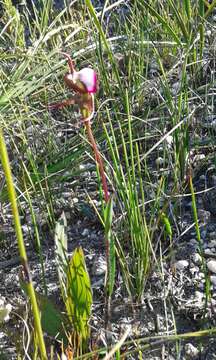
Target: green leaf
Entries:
(109, 237)
(108, 217)
(112, 265)
(61, 253)
(79, 294)
(167, 224)
(52, 321)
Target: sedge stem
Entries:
(21, 245)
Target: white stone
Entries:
(208, 251)
(85, 232)
(193, 241)
(212, 244)
(202, 177)
(200, 286)
(213, 280)
(100, 266)
(212, 235)
(201, 275)
(5, 310)
(199, 157)
(159, 161)
(211, 265)
(169, 140)
(194, 270)
(181, 264)
(191, 351)
(198, 295)
(196, 258)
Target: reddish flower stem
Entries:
(98, 158)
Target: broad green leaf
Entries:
(52, 321)
(61, 253)
(3, 355)
(79, 294)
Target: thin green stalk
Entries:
(195, 210)
(201, 27)
(21, 245)
(37, 238)
(204, 269)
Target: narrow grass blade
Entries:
(161, 20)
(61, 253)
(109, 238)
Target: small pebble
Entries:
(196, 258)
(191, 351)
(198, 295)
(150, 326)
(99, 267)
(211, 265)
(175, 88)
(194, 270)
(208, 251)
(213, 280)
(201, 276)
(202, 177)
(159, 161)
(212, 235)
(199, 157)
(85, 232)
(193, 241)
(181, 264)
(98, 284)
(204, 215)
(169, 140)
(212, 244)
(201, 286)
(26, 228)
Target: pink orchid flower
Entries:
(83, 81)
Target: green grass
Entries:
(153, 85)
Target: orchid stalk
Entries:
(84, 84)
